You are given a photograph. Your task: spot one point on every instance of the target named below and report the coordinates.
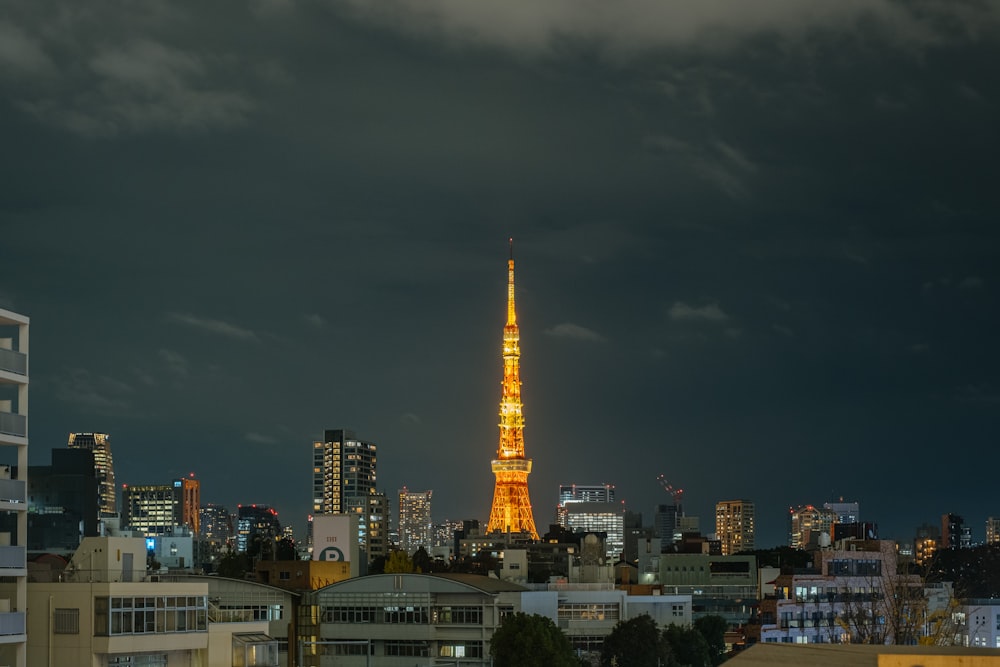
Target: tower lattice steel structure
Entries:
(511, 512)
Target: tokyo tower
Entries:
(511, 511)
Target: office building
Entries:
(734, 526)
(62, 501)
(586, 493)
(582, 493)
(606, 518)
(511, 512)
(808, 525)
(846, 512)
(155, 509)
(100, 445)
(415, 520)
(14, 489)
(256, 522)
(344, 482)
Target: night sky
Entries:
(756, 243)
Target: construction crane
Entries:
(676, 494)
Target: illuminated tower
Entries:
(511, 511)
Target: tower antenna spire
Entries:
(511, 511)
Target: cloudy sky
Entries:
(756, 244)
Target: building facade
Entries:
(415, 524)
(104, 609)
(597, 517)
(735, 526)
(100, 445)
(852, 594)
(14, 489)
(807, 523)
(450, 619)
(155, 509)
(62, 501)
(847, 512)
(256, 521)
(344, 482)
(992, 530)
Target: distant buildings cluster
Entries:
(162, 578)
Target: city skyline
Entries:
(757, 249)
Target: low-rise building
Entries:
(104, 609)
(852, 594)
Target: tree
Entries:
(399, 562)
(285, 549)
(422, 560)
(525, 640)
(233, 565)
(713, 629)
(636, 642)
(689, 647)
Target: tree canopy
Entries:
(525, 640)
(636, 642)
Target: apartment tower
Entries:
(734, 526)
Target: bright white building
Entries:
(594, 517)
(852, 594)
(14, 492)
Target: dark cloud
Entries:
(237, 224)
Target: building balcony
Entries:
(13, 424)
(13, 362)
(13, 561)
(12, 627)
(13, 494)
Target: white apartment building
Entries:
(853, 594)
(14, 492)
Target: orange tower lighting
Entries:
(511, 512)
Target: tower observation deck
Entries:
(511, 512)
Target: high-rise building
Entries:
(344, 478)
(734, 526)
(511, 510)
(100, 444)
(62, 501)
(215, 524)
(807, 524)
(993, 531)
(597, 517)
(13, 492)
(954, 533)
(582, 493)
(156, 509)
(586, 493)
(256, 521)
(415, 520)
